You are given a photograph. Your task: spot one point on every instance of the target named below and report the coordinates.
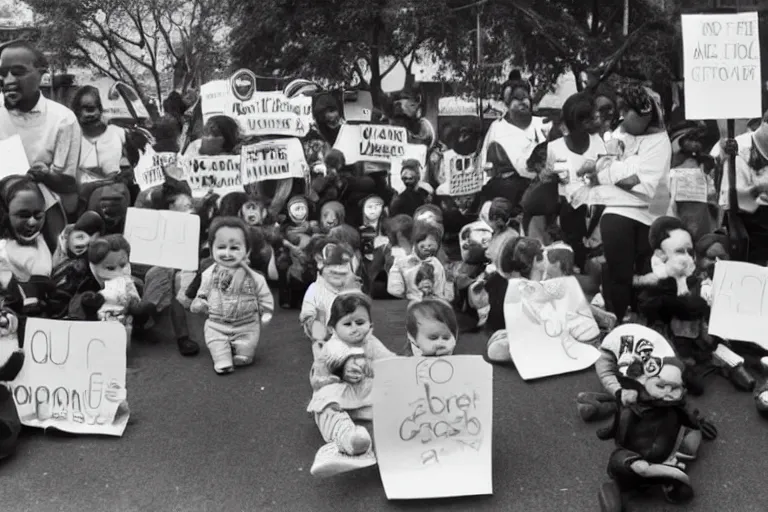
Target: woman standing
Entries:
(101, 152)
(637, 168)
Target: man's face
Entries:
(20, 77)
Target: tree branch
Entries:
(86, 56)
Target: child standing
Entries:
(236, 299)
(342, 380)
(432, 329)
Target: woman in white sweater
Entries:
(638, 166)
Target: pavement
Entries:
(199, 442)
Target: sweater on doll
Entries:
(235, 296)
(402, 278)
(327, 370)
(316, 306)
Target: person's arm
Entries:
(607, 367)
(200, 303)
(640, 172)
(482, 156)
(66, 156)
(396, 281)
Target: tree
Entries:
(137, 41)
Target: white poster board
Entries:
(688, 184)
(432, 425)
(371, 143)
(739, 302)
(73, 378)
(219, 174)
(273, 160)
(14, 157)
(721, 56)
(148, 172)
(163, 238)
(548, 326)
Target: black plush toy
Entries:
(10, 425)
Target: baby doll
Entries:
(401, 282)
(11, 362)
(373, 242)
(399, 230)
(671, 302)
(332, 214)
(410, 199)
(74, 240)
(342, 379)
(297, 231)
(336, 274)
(432, 328)
(425, 281)
(349, 237)
(236, 300)
(655, 437)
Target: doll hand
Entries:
(708, 429)
(318, 331)
(628, 397)
(353, 371)
(199, 306)
(266, 318)
(115, 392)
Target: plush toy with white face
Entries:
(372, 210)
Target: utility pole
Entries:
(479, 67)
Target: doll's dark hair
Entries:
(563, 255)
(99, 248)
(232, 204)
(82, 92)
(335, 159)
(346, 303)
(426, 272)
(169, 191)
(422, 230)
(228, 129)
(430, 309)
(501, 209)
(166, 132)
(520, 254)
(577, 108)
(662, 228)
(514, 81)
(346, 234)
(9, 187)
(229, 222)
(399, 224)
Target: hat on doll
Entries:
(708, 240)
(91, 223)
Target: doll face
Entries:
(338, 275)
(715, 253)
(427, 247)
(78, 241)
(26, 213)
(330, 218)
(252, 213)
(426, 287)
(677, 253)
(372, 209)
(667, 385)
(229, 247)
(434, 338)
(354, 327)
(181, 203)
(298, 212)
(410, 178)
(113, 266)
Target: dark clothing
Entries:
(408, 201)
(660, 304)
(756, 225)
(627, 253)
(496, 286)
(573, 223)
(511, 188)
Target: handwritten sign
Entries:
(432, 424)
(372, 143)
(163, 238)
(549, 325)
(148, 172)
(739, 302)
(688, 185)
(14, 157)
(461, 173)
(73, 377)
(721, 54)
(220, 174)
(273, 160)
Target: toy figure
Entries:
(425, 281)
(414, 196)
(401, 281)
(296, 231)
(432, 328)
(332, 214)
(655, 438)
(373, 243)
(399, 230)
(74, 240)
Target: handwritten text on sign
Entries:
(163, 238)
(220, 174)
(148, 172)
(432, 424)
(740, 302)
(73, 377)
(273, 160)
(372, 143)
(722, 60)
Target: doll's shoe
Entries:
(764, 364)
(761, 399)
(188, 347)
(610, 498)
(595, 406)
(741, 378)
(329, 461)
(355, 442)
(223, 370)
(240, 360)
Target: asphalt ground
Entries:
(243, 442)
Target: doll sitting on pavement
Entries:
(235, 298)
(656, 437)
(342, 380)
(11, 362)
(401, 281)
(432, 329)
(671, 302)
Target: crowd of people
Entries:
(342, 237)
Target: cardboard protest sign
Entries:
(273, 160)
(461, 174)
(73, 378)
(688, 185)
(14, 157)
(548, 326)
(372, 143)
(148, 172)
(721, 56)
(432, 426)
(739, 305)
(220, 174)
(163, 238)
